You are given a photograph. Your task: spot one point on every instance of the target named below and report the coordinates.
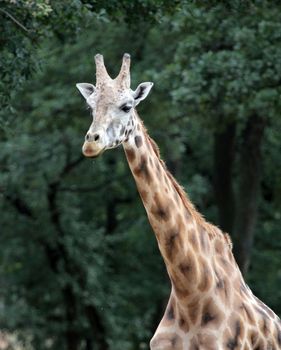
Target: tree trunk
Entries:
(248, 191)
(73, 337)
(223, 164)
(97, 326)
(89, 344)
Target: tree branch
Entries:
(248, 190)
(20, 205)
(15, 20)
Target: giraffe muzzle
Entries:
(91, 149)
(95, 143)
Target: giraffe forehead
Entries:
(109, 94)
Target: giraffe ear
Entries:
(85, 89)
(141, 92)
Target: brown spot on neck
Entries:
(142, 170)
(143, 194)
(138, 141)
(204, 239)
(211, 314)
(160, 210)
(194, 309)
(181, 289)
(171, 312)
(188, 268)
(193, 239)
(183, 324)
(206, 276)
(219, 246)
(173, 243)
(234, 339)
(131, 155)
(254, 337)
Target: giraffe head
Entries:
(112, 104)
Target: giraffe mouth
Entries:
(89, 152)
(96, 155)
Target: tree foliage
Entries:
(79, 260)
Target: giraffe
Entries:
(210, 306)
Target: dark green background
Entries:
(79, 265)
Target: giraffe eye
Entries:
(126, 108)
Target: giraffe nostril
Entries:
(92, 137)
(96, 137)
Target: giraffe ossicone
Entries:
(210, 306)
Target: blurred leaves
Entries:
(78, 256)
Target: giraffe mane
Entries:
(211, 229)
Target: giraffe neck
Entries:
(209, 303)
(185, 239)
